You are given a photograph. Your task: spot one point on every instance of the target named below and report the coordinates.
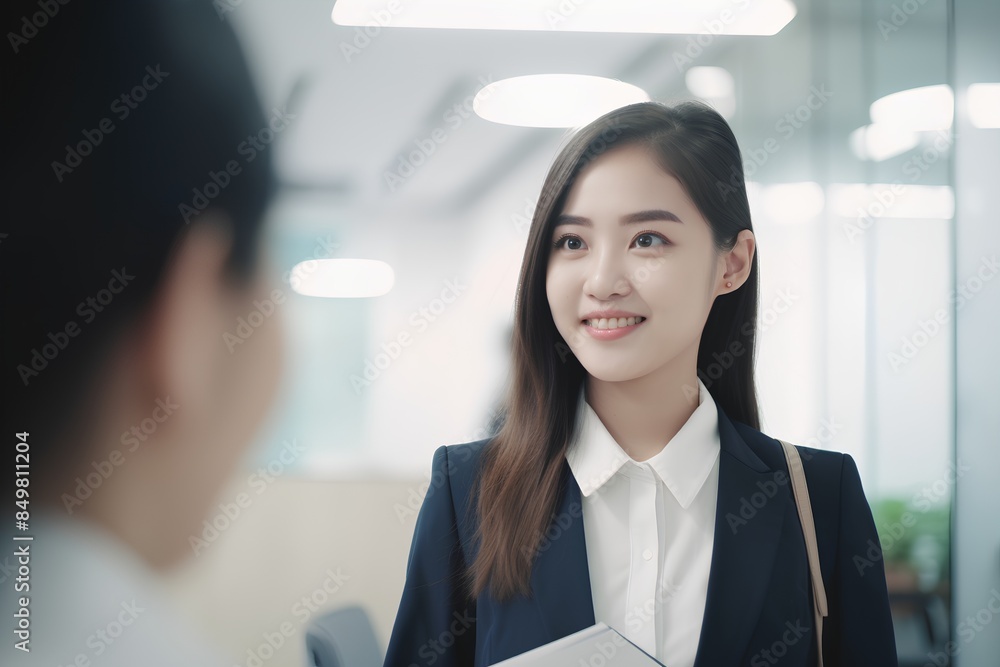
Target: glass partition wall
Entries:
(845, 121)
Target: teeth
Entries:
(614, 323)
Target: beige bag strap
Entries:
(801, 493)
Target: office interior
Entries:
(869, 133)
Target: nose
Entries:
(606, 276)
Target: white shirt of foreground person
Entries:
(650, 529)
(94, 603)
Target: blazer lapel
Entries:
(560, 580)
(748, 525)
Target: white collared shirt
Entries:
(94, 602)
(650, 529)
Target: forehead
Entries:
(626, 179)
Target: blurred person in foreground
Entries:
(123, 270)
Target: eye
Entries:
(567, 240)
(647, 239)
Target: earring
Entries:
(728, 284)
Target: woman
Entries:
(629, 482)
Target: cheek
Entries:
(557, 291)
(675, 292)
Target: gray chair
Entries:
(343, 638)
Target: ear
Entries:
(736, 263)
(180, 336)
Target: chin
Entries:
(169, 556)
(608, 370)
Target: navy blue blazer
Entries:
(759, 609)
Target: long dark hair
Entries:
(522, 466)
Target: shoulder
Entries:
(832, 478)
(88, 575)
(824, 468)
(839, 505)
(458, 464)
(451, 489)
(463, 457)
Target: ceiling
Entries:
(363, 103)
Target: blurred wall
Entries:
(976, 539)
(299, 539)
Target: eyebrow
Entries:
(631, 218)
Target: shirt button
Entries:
(647, 554)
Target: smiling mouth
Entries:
(613, 322)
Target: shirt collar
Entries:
(683, 464)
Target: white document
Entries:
(596, 645)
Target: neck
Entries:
(644, 414)
(125, 505)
